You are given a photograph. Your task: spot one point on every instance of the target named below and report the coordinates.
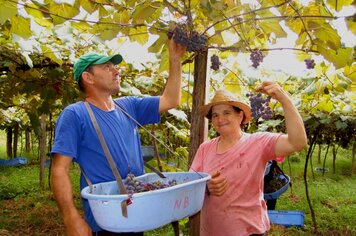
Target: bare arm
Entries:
(172, 92)
(296, 138)
(63, 193)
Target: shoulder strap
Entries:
(109, 158)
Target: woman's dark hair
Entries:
(238, 110)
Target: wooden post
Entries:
(16, 139)
(9, 142)
(199, 125)
(42, 147)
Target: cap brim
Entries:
(115, 59)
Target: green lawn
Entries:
(25, 209)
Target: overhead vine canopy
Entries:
(40, 39)
(254, 24)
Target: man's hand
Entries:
(176, 50)
(217, 185)
(272, 89)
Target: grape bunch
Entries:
(256, 57)
(309, 63)
(215, 62)
(134, 185)
(259, 106)
(194, 41)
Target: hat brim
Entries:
(115, 59)
(205, 109)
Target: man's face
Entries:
(105, 77)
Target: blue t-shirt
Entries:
(75, 137)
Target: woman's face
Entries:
(226, 119)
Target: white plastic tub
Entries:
(149, 210)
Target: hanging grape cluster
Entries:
(215, 62)
(194, 41)
(259, 106)
(309, 63)
(256, 57)
(133, 185)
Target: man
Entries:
(76, 139)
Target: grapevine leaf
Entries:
(144, 10)
(325, 105)
(351, 24)
(103, 12)
(106, 31)
(81, 26)
(62, 12)
(7, 10)
(158, 44)
(48, 52)
(164, 61)
(339, 58)
(337, 5)
(216, 39)
(89, 6)
(21, 26)
(122, 17)
(350, 72)
(38, 15)
(139, 35)
(329, 35)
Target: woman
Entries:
(234, 203)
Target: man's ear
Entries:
(87, 77)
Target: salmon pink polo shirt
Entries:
(241, 210)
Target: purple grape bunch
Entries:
(260, 106)
(215, 62)
(310, 63)
(256, 57)
(133, 185)
(194, 42)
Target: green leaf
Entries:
(38, 15)
(158, 44)
(164, 60)
(338, 4)
(7, 10)
(62, 12)
(351, 24)
(106, 31)
(122, 17)
(272, 27)
(21, 26)
(89, 6)
(144, 10)
(329, 35)
(325, 105)
(139, 34)
(49, 53)
(81, 26)
(339, 58)
(216, 39)
(301, 39)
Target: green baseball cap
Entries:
(93, 59)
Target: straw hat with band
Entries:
(223, 97)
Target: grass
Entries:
(25, 209)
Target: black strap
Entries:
(109, 158)
(138, 123)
